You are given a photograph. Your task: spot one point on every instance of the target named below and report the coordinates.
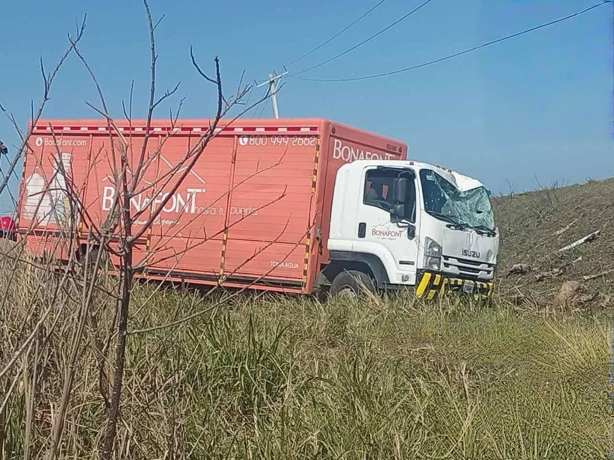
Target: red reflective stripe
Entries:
(158, 129)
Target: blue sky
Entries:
(539, 106)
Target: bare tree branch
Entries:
(48, 81)
(198, 69)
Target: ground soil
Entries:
(535, 226)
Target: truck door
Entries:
(377, 225)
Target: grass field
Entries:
(282, 377)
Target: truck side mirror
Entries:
(399, 190)
(397, 212)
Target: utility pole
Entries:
(272, 82)
(273, 91)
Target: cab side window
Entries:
(378, 190)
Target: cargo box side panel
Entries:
(52, 191)
(102, 190)
(269, 216)
(187, 236)
(265, 263)
(314, 248)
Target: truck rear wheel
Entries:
(89, 259)
(351, 283)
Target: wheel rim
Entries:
(347, 293)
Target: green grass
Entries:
(282, 377)
(268, 376)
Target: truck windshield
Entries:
(444, 201)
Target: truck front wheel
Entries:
(351, 283)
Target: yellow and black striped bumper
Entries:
(433, 285)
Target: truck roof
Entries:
(266, 125)
(463, 182)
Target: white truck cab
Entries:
(412, 224)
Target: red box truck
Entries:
(256, 209)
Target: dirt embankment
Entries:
(556, 235)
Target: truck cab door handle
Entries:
(362, 230)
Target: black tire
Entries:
(90, 258)
(352, 283)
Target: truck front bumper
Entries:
(433, 285)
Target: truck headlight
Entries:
(433, 248)
(432, 254)
(432, 263)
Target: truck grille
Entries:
(468, 268)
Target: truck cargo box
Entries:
(255, 210)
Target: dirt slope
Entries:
(535, 225)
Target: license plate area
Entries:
(468, 287)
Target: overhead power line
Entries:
(461, 53)
(402, 18)
(326, 42)
(263, 105)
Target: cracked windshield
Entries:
(443, 200)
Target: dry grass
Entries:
(283, 377)
(535, 225)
